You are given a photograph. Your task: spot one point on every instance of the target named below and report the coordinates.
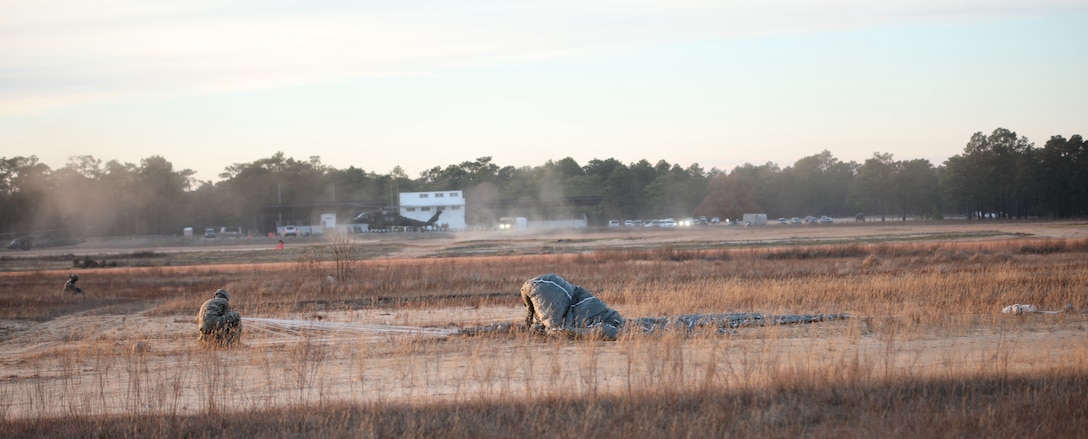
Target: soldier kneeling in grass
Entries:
(219, 326)
(70, 286)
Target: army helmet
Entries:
(73, 277)
(222, 293)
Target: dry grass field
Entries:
(361, 336)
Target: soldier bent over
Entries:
(70, 286)
(555, 306)
(219, 326)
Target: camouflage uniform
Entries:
(555, 306)
(70, 286)
(219, 326)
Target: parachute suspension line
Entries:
(296, 326)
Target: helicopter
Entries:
(383, 219)
(32, 241)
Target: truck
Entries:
(509, 222)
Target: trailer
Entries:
(754, 219)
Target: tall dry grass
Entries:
(895, 370)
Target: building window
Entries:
(423, 195)
(455, 207)
(439, 195)
(455, 194)
(410, 209)
(425, 209)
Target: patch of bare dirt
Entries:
(91, 363)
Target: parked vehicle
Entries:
(826, 219)
(614, 223)
(230, 232)
(290, 231)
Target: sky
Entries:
(424, 84)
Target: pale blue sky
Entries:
(421, 84)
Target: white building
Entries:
(423, 205)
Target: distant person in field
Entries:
(70, 286)
(555, 306)
(219, 326)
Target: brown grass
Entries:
(1049, 406)
(928, 353)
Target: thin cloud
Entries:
(55, 54)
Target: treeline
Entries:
(997, 175)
